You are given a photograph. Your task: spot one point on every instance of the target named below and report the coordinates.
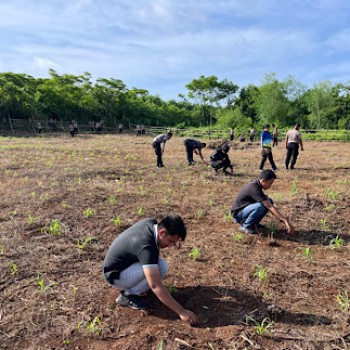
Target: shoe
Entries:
(260, 170)
(133, 301)
(286, 168)
(246, 230)
(292, 168)
(276, 169)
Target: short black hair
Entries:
(169, 133)
(203, 144)
(297, 126)
(266, 126)
(174, 225)
(267, 174)
(225, 148)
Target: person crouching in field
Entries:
(159, 147)
(132, 263)
(251, 205)
(196, 147)
(220, 160)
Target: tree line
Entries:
(208, 102)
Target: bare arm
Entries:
(301, 145)
(156, 285)
(278, 214)
(201, 155)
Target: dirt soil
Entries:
(64, 200)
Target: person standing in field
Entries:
(158, 144)
(266, 151)
(196, 147)
(251, 134)
(251, 205)
(132, 263)
(232, 134)
(71, 129)
(293, 140)
(275, 135)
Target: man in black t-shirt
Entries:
(221, 160)
(132, 263)
(196, 147)
(251, 204)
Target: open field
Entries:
(64, 200)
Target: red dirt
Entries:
(59, 178)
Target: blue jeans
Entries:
(251, 214)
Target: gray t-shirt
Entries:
(137, 244)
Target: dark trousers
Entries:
(226, 163)
(267, 154)
(292, 153)
(189, 152)
(158, 152)
(275, 141)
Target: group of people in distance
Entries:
(132, 262)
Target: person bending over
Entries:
(159, 147)
(132, 263)
(196, 147)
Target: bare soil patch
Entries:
(64, 200)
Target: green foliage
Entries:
(331, 194)
(140, 211)
(294, 190)
(324, 224)
(238, 237)
(14, 268)
(307, 252)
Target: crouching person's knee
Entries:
(163, 268)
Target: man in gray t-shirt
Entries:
(132, 263)
(293, 140)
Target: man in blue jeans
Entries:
(251, 205)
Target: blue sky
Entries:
(162, 45)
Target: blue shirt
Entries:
(265, 139)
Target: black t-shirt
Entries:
(136, 244)
(249, 194)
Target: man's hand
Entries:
(189, 317)
(290, 228)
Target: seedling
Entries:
(307, 252)
(160, 345)
(238, 237)
(55, 227)
(336, 243)
(142, 192)
(93, 327)
(32, 219)
(172, 290)
(140, 211)
(343, 301)
(1, 249)
(228, 217)
(261, 273)
(195, 254)
(329, 207)
(331, 194)
(88, 212)
(14, 269)
(43, 287)
(263, 328)
(200, 214)
(112, 200)
(324, 224)
(117, 220)
(86, 241)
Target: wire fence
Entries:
(18, 127)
